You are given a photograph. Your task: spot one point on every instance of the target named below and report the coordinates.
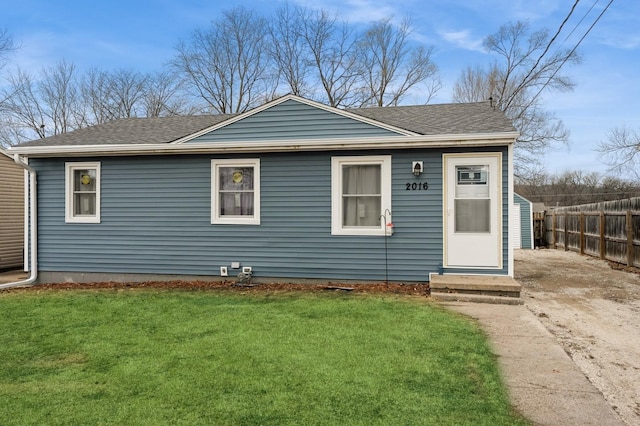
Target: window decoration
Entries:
(235, 197)
(82, 193)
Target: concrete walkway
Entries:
(545, 385)
(13, 276)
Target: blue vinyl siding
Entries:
(156, 218)
(293, 120)
(525, 221)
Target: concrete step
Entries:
(476, 298)
(475, 285)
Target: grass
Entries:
(176, 357)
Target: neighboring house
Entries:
(293, 189)
(11, 213)
(523, 222)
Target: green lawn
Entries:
(152, 357)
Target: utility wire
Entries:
(546, 49)
(572, 51)
(579, 23)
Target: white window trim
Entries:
(336, 193)
(216, 218)
(70, 217)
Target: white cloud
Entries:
(357, 11)
(463, 39)
(621, 41)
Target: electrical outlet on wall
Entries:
(223, 271)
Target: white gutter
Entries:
(33, 226)
(289, 145)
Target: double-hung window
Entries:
(82, 192)
(235, 197)
(360, 194)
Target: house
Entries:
(523, 222)
(11, 213)
(288, 191)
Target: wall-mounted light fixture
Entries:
(416, 168)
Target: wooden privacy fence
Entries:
(608, 230)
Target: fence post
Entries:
(602, 240)
(554, 224)
(566, 231)
(630, 250)
(581, 232)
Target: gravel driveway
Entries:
(594, 312)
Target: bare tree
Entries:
(163, 96)
(23, 109)
(112, 95)
(6, 46)
(46, 106)
(621, 151)
(475, 84)
(577, 187)
(60, 97)
(126, 91)
(391, 67)
(227, 64)
(9, 133)
(333, 57)
(523, 70)
(93, 91)
(289, 51)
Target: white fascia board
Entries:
(393, 142)
(302, 101)
(6, 154)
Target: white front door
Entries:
(472, 210)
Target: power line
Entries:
(546, 49)
(579, 23)
(571, 52)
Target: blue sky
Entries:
(142, 34)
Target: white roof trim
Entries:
(391, 142)
(300, 100)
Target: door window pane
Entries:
(472, 204)
(473, 216)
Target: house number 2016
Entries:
(416, 186)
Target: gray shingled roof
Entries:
(155, 130)
(436, 119)
(441, 119)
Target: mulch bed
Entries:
(407, 289)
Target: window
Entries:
(235, 197)
(472, 202)
(82, 198)
(360, 194)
